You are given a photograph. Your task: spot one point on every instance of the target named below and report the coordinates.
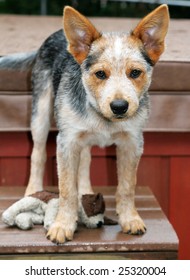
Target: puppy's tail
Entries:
(20, 61)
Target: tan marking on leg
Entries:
(40, 128)
(84, 185)
(127, 162)
(66, 220)
(38, 160)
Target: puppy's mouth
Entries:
(120, 117)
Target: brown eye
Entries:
(100, 75)
(135, 73)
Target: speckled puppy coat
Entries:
(96, 85)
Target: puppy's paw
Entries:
(134, 226)
(59, 233)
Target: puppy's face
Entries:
(116, 75)
(116, 69)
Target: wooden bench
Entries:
(166, 159)
(108, 242)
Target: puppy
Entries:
(96, 86)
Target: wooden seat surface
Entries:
(159, 242)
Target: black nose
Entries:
(99, 224)
(119, 106)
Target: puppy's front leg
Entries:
(128, 155)
(67, 163)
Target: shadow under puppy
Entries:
(96, 85)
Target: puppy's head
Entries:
(116, 68)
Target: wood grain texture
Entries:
(107, 240)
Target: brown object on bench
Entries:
(108, 242)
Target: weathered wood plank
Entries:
(106, 240)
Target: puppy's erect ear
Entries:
(79, 32)
(152, 30)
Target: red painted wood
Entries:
(154, 171)
(14, 171)
(20, 144)
(54, 175)
(180, 203)
(164, 167)
(167, 143)
(103, 169)
(15, 144)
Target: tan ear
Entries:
(79, 32)
(152, 30)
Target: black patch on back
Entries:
(52, 47)
(67, 81)
(66, 72)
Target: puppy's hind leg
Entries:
(40, 124)
(84, 184)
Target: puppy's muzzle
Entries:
(119, 107)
